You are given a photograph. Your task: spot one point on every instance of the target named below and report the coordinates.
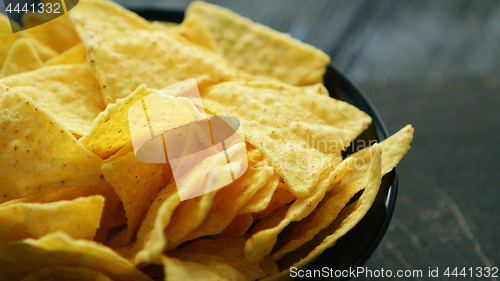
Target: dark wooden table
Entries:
(434, 64)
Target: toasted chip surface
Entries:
(40, 155)
(68, 92)
(259, 49)
(300, 133)
(21, 258)
(356, 179)
(34, 220)
(137, 185)
(345, 222)
(222, 257)
(22, 57)
(66, 273)
(262, 241)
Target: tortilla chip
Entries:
(154, 234)
(39, 154)
(75, 54)
(19, 259)
(110, 131)
(263, 239)
(66, 273)
(260, 50)
(300, 133)
(222, 257)
(237, 228)
(96, 20)
(356, 179)
(193, 28)
(22, 57)
(53, 30)
(227, 202)
(137, 185)
(260, 201)
(33, 220)
(345, 222)
(281, 197)
(69, 92)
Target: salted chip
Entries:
(137, 185)
(51, 29)
(22, 57)
(69, 92)
(21, 258)
(263, 238)
(237, 228)
(75, 54)
(344, 223)
(356, 179)
(96, 20)
(34, 220)
(262, 197)
(300, 133)
(39, 154)
(66, 273)
(156, 59)
(223, 258)
(110, 131)
(260, 50)
(195, 30)
(151, 238)
(227, 202)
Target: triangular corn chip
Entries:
(75, 54)
(345, 222)
(393, 149)
(22, 57)
(69, 92)
(260, 50)
(300, 133)
(34, 220)
(66, 273)
(19, 259)
(39, 154)
(262, 241)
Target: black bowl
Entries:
(356, 247)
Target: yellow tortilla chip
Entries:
(110, 130)
(145, 54)
(261, 242)
(69, 92)
(151, 237)
(137, 185)
(300, 133)
(193, 28)
(260, 50)
(52, 30)
(237, 228)
(75, 54)
(7, 37)
(221, 257)
(96, 20)
(356, 179)
(33, 220)
(345, 222)
(19, 259)
(262, 197)
(66, 273)
(22, 57)
(227, 202)
(280, 198)
(39, 154)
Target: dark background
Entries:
(434, 64)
